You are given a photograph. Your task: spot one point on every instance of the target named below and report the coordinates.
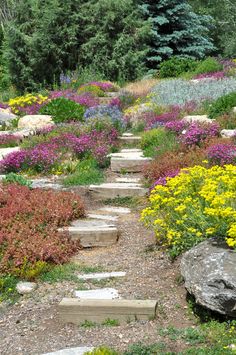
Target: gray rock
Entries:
(25, 287)
(6, 118)
(209, 271)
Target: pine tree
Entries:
(114, 38)
(176, 30)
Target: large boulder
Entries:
(6, 117)
(198, 119)
(209, 271)
(35, 122)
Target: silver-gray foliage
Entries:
(179, 91)
(209, 272)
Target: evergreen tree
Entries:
(224, 15)
(42, 41)
(114, 38)
(176, 30)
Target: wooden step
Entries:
(77, 311)
(113, 190)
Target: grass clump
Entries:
(111, 322)
(86, 173)
(222, 105)
(102, 351)
(8, 289)
(157, 141)
(13, 178)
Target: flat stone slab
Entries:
(130, 160)
(128, 180)
(5, 151)
(102, 275)
(45, 183)
(77, 311)
(87, 223)
(113, 190)
(2, 177)
(130, 139)
(116, 210)
(102, 217)
(72, 351)
(100, 236)
(198, 118)
(99, 294)
(228, 133)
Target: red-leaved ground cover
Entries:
(29, 220)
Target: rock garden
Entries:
(117, 177)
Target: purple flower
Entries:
(216, 75)
(221, 154)
(163, 179)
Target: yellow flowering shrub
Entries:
(196, 204)
(21, 103)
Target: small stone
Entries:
(25, 287)
(228, 133)
(198, 118)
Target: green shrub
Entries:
(222, 105)
(63, 110)
(209, 65)
(102, 351)
(13, 178)
(141, 349)
(92, 89)
(8, 288)
(87, 172)
(176, 66)
(157, 141)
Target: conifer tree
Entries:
(176, 30)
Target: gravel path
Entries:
(32, 326)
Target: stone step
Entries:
(130, 139)
(93, 236)
(102, 275)
(128, 180)
(105, 217)
(99, 294)
(72, 351)
(130, 160)
(77, 311)
(113, 190)
(115, 210)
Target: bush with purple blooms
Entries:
(85, 99)
(221, 154)
(106, 111)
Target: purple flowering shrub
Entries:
(50, 154)
(191, 134)
(221, 154)
(85, 99)
(214, 76)
(9, 140)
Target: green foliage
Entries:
(176, 66)
(8, 288)
(13, 178)
(63, 110)
(42, 41)
(102, 351)
(222, 105)
(224, 25)
(115, 37)
(87, 172)
(209, 65)
(88, 324)
(157, 141)
(60, 273)
(176, 30)
(111, 322)
(141, 349)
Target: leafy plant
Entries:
(157, 141)
(209, 65)
(111, 322)
(63, 110)
(222, 105)
(9, 140)
(8, 288)
(87, 172)
(13, 178)
(176, 66)
(102, 351)
(141, 349)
